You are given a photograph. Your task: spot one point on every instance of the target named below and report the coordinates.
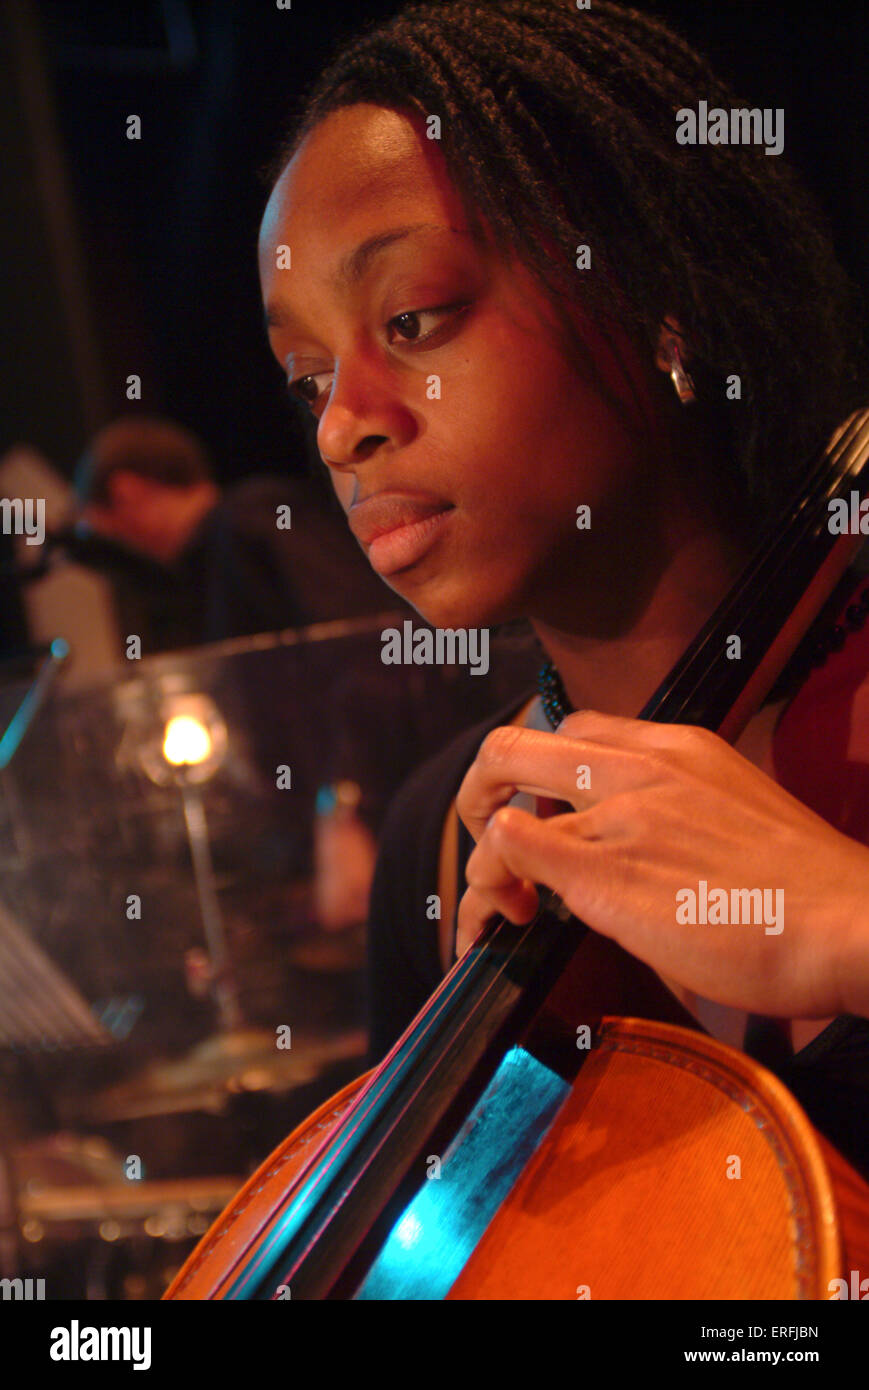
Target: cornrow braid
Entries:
(558, 128)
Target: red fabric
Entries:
(821, 742)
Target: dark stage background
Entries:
(138, 256)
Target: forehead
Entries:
(362, 167)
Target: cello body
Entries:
(677, 1168)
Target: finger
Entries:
(553, 852)
(512, 896)
(674, 742)
(477, 907)
(578, 773)
(616, 730)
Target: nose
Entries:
(365, 415)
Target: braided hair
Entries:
(558, 127)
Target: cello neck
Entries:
(795, 567)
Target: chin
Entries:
(468, 610)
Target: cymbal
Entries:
(69, 1179)
(129, 1201)
(221, 1066)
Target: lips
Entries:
(388, 511)
(397, 528)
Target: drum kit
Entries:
(75, 1192)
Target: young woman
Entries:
(508, 294)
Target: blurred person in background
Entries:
(193, 563)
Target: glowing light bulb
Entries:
(186, 742)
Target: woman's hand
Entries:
(659, 810)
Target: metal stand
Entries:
(223, 983)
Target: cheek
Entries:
(516, 431)
(542, 446)
(557, 425)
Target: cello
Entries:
(553, 1124)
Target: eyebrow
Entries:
(356, 264)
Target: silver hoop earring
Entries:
(680, 378)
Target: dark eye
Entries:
(408, 323)
(306, 389)
(409, 326)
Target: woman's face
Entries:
(459, 439)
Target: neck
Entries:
(619, 671)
